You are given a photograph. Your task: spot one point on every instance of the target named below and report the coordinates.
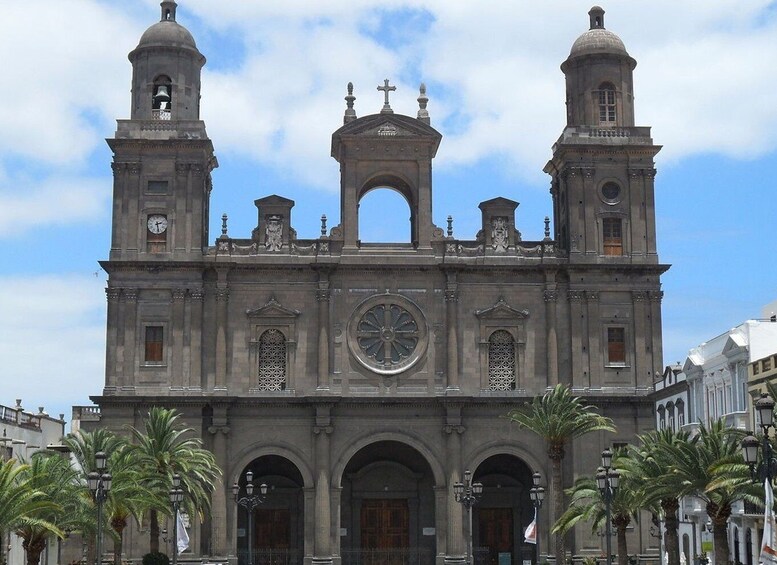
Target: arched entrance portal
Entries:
(278, 522)
(500, 518)
(387, 509)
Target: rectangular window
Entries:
(612, 233)
(766, 364)
(156, 187)
(616, 346)
(607, 107)
(154, 345)
(755, 368)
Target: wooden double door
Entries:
(272, 529)
(385, 524)
(495, 534)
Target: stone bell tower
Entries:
(603, 165)
(386, 150)
(162, 154)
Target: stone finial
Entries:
(224, 224)
(423, 100)
(323, 225)
(547, 227)
(450, 226)
(168, 10)
(350, 113)
(386, 88)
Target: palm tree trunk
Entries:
(719, 516)
(558, 500)
(34, 549)
(670, 506)
(153, 532)
(118, 526)
(621, 523)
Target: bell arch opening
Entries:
(386, 209)
(270, 527)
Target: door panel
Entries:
(495, 526)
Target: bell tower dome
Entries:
(166, 67)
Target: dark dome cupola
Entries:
(599, 78)
(166, 68)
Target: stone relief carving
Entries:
(499, 239)
(274, 234)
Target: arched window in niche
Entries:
(501, 361)
(680, 407)
(272, 360)
(607, 113)
(162, 98)
(384, 217)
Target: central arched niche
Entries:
(500, 517)
(385, 216)
(278, 522)
(387, 506)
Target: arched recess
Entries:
(388, 505)
(381, 186)
(276, 525)
(504, 510)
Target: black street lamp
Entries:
(99, 482)
(249, 502)
(468, 493)
(537, 494)
(176, 497)
(750, 444)
(607, 479)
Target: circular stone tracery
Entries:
(387, 334)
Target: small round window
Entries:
(611, 193)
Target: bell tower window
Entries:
(607, 110)
(161, 100)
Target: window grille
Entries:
(501, 361)
(272, 360)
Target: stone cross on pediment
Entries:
(386, 89)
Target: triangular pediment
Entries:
(386, 127)
(498, 202)
(502, 310)
(273, 309)
(274, 200)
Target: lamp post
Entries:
(99, 482)
(537, 494)
(249, 502)
(467, 494)
(607, 480)
(768, 468)
(176, 497)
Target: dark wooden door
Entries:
(495, 529)
(385, 532)
(272, 528)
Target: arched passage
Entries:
(276, 524)
(387, 510)
(504, 510)
(384, 217)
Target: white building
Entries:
(22, 433)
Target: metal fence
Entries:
(395, 556)
(271, 557)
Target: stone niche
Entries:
(498, 232)
(273, 230)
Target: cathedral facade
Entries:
(359, 381)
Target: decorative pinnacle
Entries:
(423, 113)
(168, 10)
(323, 224)
(350, 113)
(450, 226)
(224, 224)
(547, 227)
(386, 89)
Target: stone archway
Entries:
(387, 509)
(503, 512)
(277, 524)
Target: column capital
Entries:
(113, 294)
(178, 294)
(130, 294)
(449, 429)
(323, 295)
(214, 430)
(575, 295)
(550, 295)
(326, 430)
(451, 295)
(638, 295)
(197, 294)
(222, 294)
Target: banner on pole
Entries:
(530, 533)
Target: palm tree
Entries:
(20, 503)
(165, 448)
(53, 476)
(646, 466)
(710, 466)
(128, 497)
(587, 504)
(558, 417)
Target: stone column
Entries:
(588, 193)
(130, 297)
(176, 338)
(132, 191)
(196, 302)
(575, 298)
(218, 517)
(119, 190)
(656, 348)
(595, 363)
(452, 330)
(222, 301)
(322, 554)
(453, 430)
(551, 296)
(650, 211)
(112, 371)
(640, 365)
(322, 297)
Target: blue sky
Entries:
(273, 92)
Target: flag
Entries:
(183, 536)
(769, 542)
(530, 533)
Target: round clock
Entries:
(157, 223)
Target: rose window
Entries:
(387, 334)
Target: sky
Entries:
(272, 94)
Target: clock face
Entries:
(157, 223)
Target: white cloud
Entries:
(53, 346)
(26, 204)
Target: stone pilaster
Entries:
(322, 552)
(176, 334)
(112, 370)
(129, 299)
(452, 330)
(576, 298)
(222, 303)
(550, 295)
(218, 519)
(640, 360)
(322, 297)
(453, 430)
(196, 301)
(595, 362)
